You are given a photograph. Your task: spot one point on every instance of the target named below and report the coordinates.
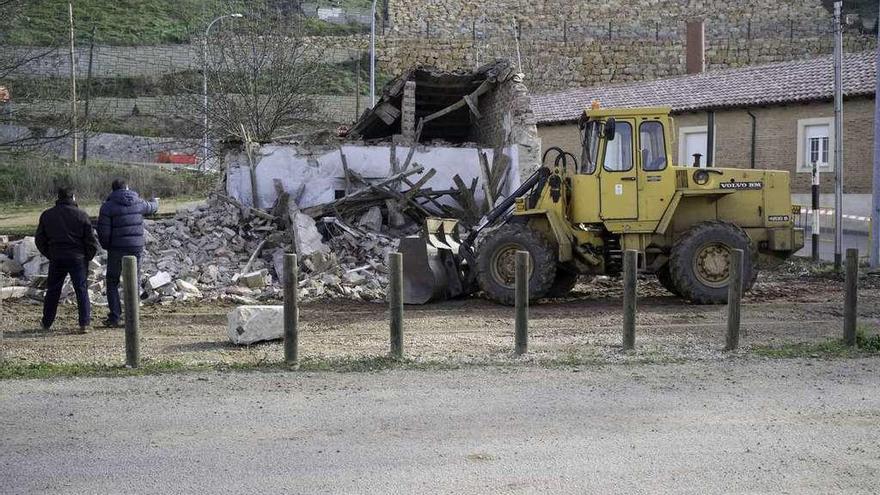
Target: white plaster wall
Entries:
(322, 173)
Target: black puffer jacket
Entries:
(121, 220)
(65, 232)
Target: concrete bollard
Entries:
(131, 298)
(291, 310)
(850, 305)
(630, 283)
(734, 297)
(395, 303)
(521, 300)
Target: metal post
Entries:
(817, 225)
(838, 136)
(630, 281)
(734, 296)
(132, 311)
(875, 192)
(521, 301)
(373, 55)
(395, 303)
(850, 305)
(291, 311)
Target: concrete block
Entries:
(249, 324)
(188, 288)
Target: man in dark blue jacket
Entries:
(65, 236)
(121, 233)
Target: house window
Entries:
(815, 138)
(693, 141)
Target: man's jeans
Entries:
(114, 271)
(58, 271)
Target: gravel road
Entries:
(739, 426)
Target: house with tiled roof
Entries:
(775, 116)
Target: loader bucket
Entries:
(431, 268)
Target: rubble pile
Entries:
(222, 250)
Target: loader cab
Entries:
(625, 178)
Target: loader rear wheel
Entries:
(699, 264)
(563, 283)
(496, 262)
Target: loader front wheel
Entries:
(496, 262)
(699, 264)
(563, 283)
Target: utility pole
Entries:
(875, 193)
(73, 88)
(838, 136)
(373, 55)
(85, 153)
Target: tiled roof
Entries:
(787, 82)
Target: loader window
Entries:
(618, 152)
(653, 146)
(590, 145)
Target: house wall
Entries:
(776, 143)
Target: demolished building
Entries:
(445, 138)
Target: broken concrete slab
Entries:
(38, 265)
(158, 280)
(308, 239)
(250, 324)
(254, 280)
(14, 292)
(24, 250)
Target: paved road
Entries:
(826, 245)
(751, 426)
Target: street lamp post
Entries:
(205, 85)
(373, 55)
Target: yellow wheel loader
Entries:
(577, 216)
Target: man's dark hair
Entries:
(65, 193)
(119, 184)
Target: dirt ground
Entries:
(786, 306)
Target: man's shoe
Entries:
(111, 324)
(83, 330)
(45, 328)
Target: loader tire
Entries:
(699, 263)
(665, 279)
(563, 283)
(496, 262)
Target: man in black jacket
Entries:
(121, 233)
(65, 236)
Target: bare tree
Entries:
(260, 73)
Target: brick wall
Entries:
(776, 143)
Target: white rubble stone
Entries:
(24, 250)
(159, 280)
(372, 219)
(9, 266)
(188, 288)
(249, 324)
(14, 292)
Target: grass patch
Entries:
(29, 179)
(20, 371)
(867, 344)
